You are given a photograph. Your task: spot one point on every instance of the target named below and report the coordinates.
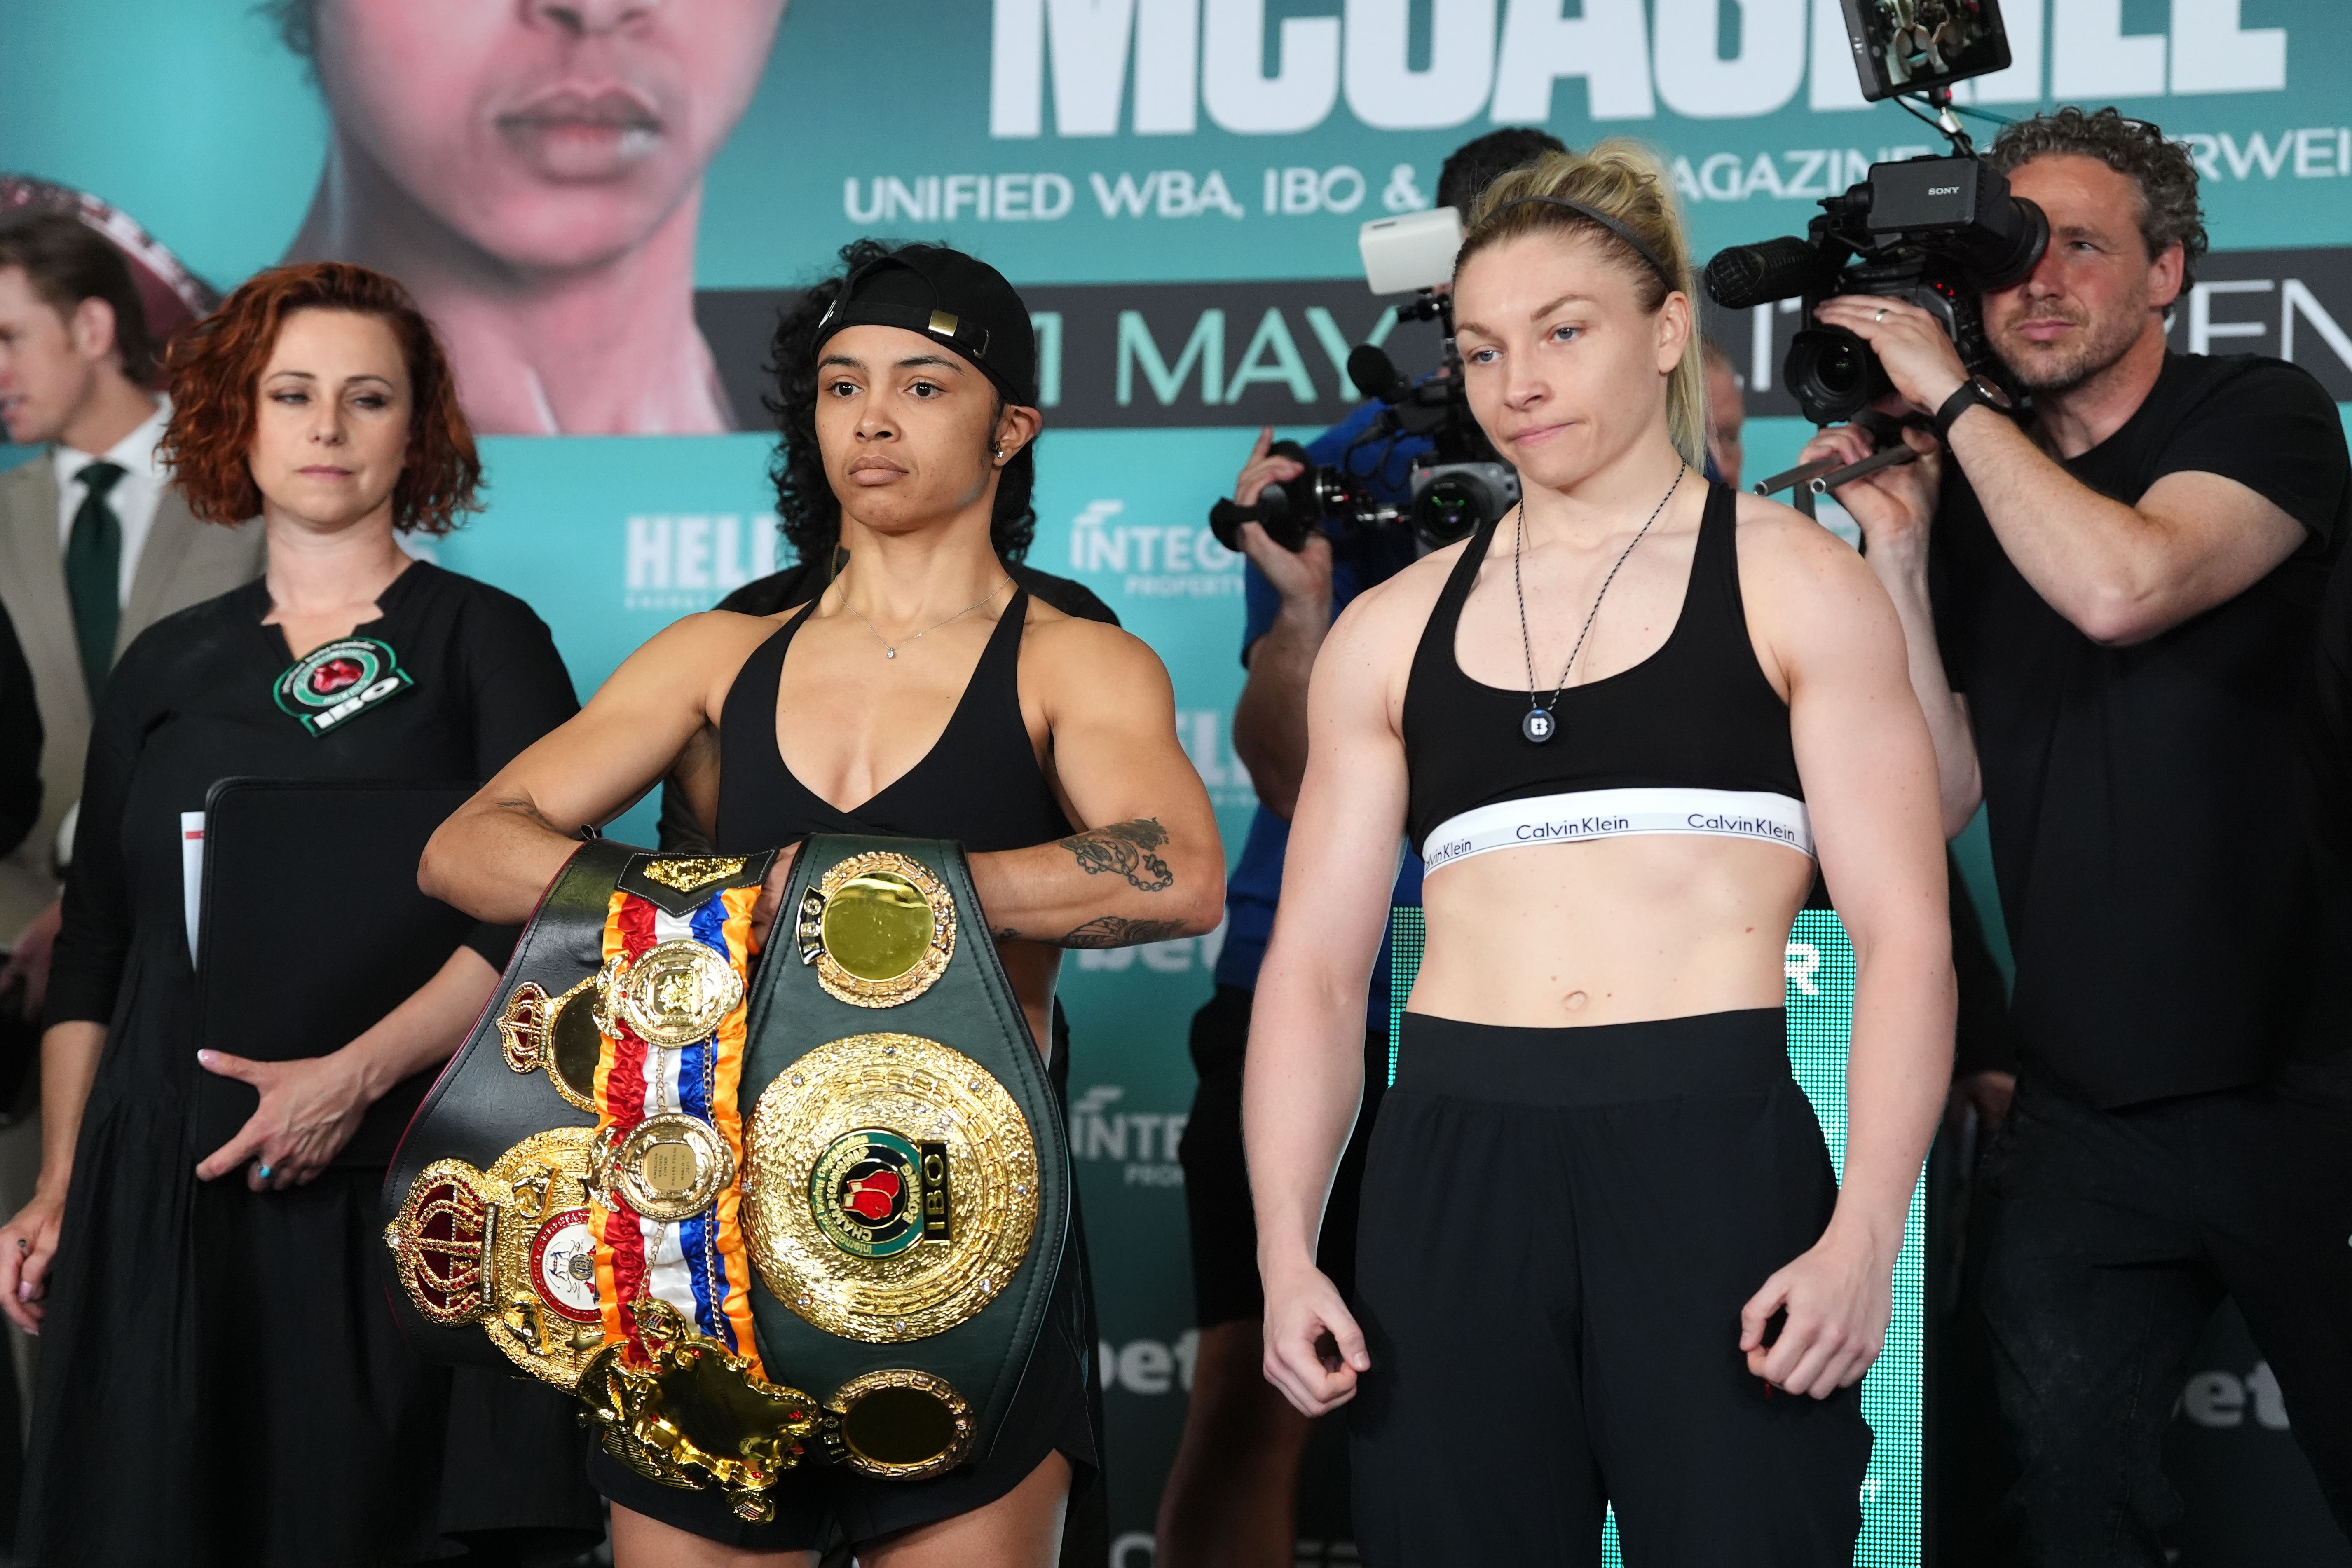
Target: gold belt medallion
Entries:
(558, 1033)
(891, 1188)
(507, 1248)
(670, 1167)
(674, 993)
(879, 928)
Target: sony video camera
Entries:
(1936, 232)
(1460, 482)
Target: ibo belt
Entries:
(686, 1184)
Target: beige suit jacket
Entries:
(182, 563)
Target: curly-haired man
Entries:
(2110, 602)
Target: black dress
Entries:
(220, 1380)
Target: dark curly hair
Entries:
(2136, 149)
(215, 367)
(806, 508)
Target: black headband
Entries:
(957, 300)
(1640, 247)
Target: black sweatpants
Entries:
(1560, 1229)
(2115, 1236)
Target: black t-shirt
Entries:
(2144, 801)
(2329, 732)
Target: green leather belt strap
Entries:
(906, 1195)
(479, 1107)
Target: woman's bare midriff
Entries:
(1562, 936)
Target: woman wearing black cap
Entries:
(923, 693)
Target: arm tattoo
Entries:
(526, 810)
(1125, 847)
(1111, 930)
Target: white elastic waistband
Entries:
(1588, 814)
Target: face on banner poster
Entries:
(602, 202)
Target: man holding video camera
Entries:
(2110, 606)
(1231, 1496)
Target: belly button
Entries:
(1577, 999)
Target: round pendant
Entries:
(1538, 726)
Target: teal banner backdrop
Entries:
(603, 202)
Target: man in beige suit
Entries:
(95, 545)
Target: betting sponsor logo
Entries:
(1160, 560)
(1142, 1143)
(1150, 1367)
(673, 563)
(2221, 1399)
(1177, 955)
(1137, 1548)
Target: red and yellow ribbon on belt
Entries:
(659, 1104)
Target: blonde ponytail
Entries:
(1624, 181)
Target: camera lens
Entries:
(1449, 509)
(1832, 373)
(1840, 371)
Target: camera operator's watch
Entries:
(1972, 391)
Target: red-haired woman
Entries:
(220, 1378)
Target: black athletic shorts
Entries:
(819, 1507)
(1560, 1229)
(1226, 1285)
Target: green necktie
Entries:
(94, 573)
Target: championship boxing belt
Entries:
(667, 1180)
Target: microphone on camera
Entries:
(1781, 269)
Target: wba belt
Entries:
(687, 1183)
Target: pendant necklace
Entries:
(1540, 726)
(891, 649)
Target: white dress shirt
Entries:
(134, 495)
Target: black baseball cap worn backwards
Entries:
(959, 300)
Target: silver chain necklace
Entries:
(1540, 726)
(891, 649)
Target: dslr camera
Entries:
(1936, 232)
(1457, 484)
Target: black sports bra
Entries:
(979, 785)
(1692, 739)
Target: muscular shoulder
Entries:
(1068, 656)
(1385, 621)
(1787, 558)
(1803, 588)
(697, 656)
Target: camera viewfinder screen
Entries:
(1910, 46)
